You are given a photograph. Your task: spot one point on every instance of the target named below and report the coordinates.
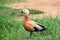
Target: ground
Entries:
(50, 7)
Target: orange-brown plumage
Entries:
(27, 25)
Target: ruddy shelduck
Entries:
(31, 26)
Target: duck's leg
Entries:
(31, 34)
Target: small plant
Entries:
(34, 11)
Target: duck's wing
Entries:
(37, 26)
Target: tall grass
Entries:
(34, 11)
(9, 28)
(13, 30)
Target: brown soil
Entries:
(51, 7)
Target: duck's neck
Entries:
(26, 18)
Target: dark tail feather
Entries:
(42, 27)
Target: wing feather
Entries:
(37, 26)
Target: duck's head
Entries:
(25, 11)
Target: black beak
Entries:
(21, 11)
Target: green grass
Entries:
(10, 1)
(16, 12)
(9, 29)
(34, 11)
(13, 30)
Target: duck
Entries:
(31, 26)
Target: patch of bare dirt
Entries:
(51, 7)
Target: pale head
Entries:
(26, 11)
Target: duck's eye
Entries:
(24, 10)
